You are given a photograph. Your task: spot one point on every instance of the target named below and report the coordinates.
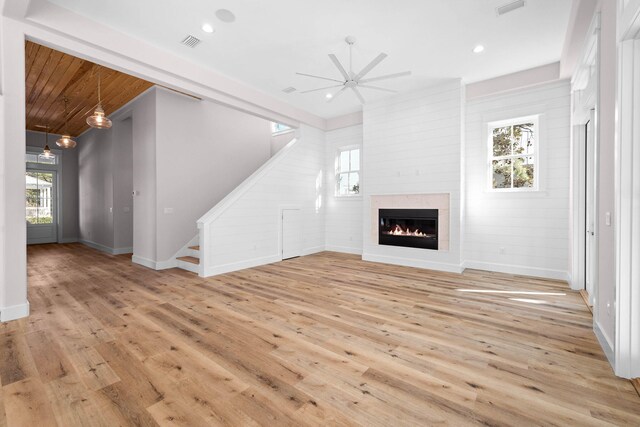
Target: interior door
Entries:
(590, 210)
(291, 233)
(41, 202)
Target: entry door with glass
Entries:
(41, 212)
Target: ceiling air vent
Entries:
(191, 41)
(510, 7)
(289, 89)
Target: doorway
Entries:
(291, 233)
(41, 206)
(590, 210)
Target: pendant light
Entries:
(98, 120)
(66, 141)
(46, 155)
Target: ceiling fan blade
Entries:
(335, 95)
(388, 76)
(369, 67)
(378, 88)
(319, 77)
(358, 94)
(321, 88)
(339, 66)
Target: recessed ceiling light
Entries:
(225, 15)
(208, 28)
(329, 96)
(478, 49)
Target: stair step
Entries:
(191, 259)
(195, 248)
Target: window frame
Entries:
(337, 173)
(532, 118)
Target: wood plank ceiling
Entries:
(51, 75)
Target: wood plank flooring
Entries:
(321, 340)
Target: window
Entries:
(32, 157)
(348, 172)
(280, 128)
(513, 149)
(39, 197)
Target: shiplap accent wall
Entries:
(343, 214)
(412, 145)
(520, 232)
(247, 232)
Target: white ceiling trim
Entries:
(526, 78)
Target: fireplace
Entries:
(413, 228)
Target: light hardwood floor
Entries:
(321, 340)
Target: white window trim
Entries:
(336, 192)
(535, 119)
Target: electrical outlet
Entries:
(502, 250)
(168, 211)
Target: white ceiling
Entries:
(272, 39)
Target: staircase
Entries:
(189, 258)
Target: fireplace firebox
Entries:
(413, 228)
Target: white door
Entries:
(41, 212)
(590, 210)
(291, 233)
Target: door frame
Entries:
(57, 168)
(627, 185)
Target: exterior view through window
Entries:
(348, 172)
(513, 152)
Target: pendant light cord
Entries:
(99, 97)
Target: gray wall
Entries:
(68, 186)
(105, 183)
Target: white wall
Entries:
(604, 310)
(343, 215)
(68, 186)
(203, 151)
(280, 140)
(531, 228)
(412, 145)
(246, 230)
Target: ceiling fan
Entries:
(354, 81)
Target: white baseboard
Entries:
(107, 249)
(163, 265)
(14, 312)
(144, 262)
(344, 249)
(606, 345)
(241, 265)
(69, 240)
(412, 262)
(517, 269)
(313, 250)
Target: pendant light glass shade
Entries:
(46, 156)
(66, 141)
(98, 120)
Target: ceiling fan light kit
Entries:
(352, 80)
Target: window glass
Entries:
(513, 154)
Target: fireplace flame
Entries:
(399, 231)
